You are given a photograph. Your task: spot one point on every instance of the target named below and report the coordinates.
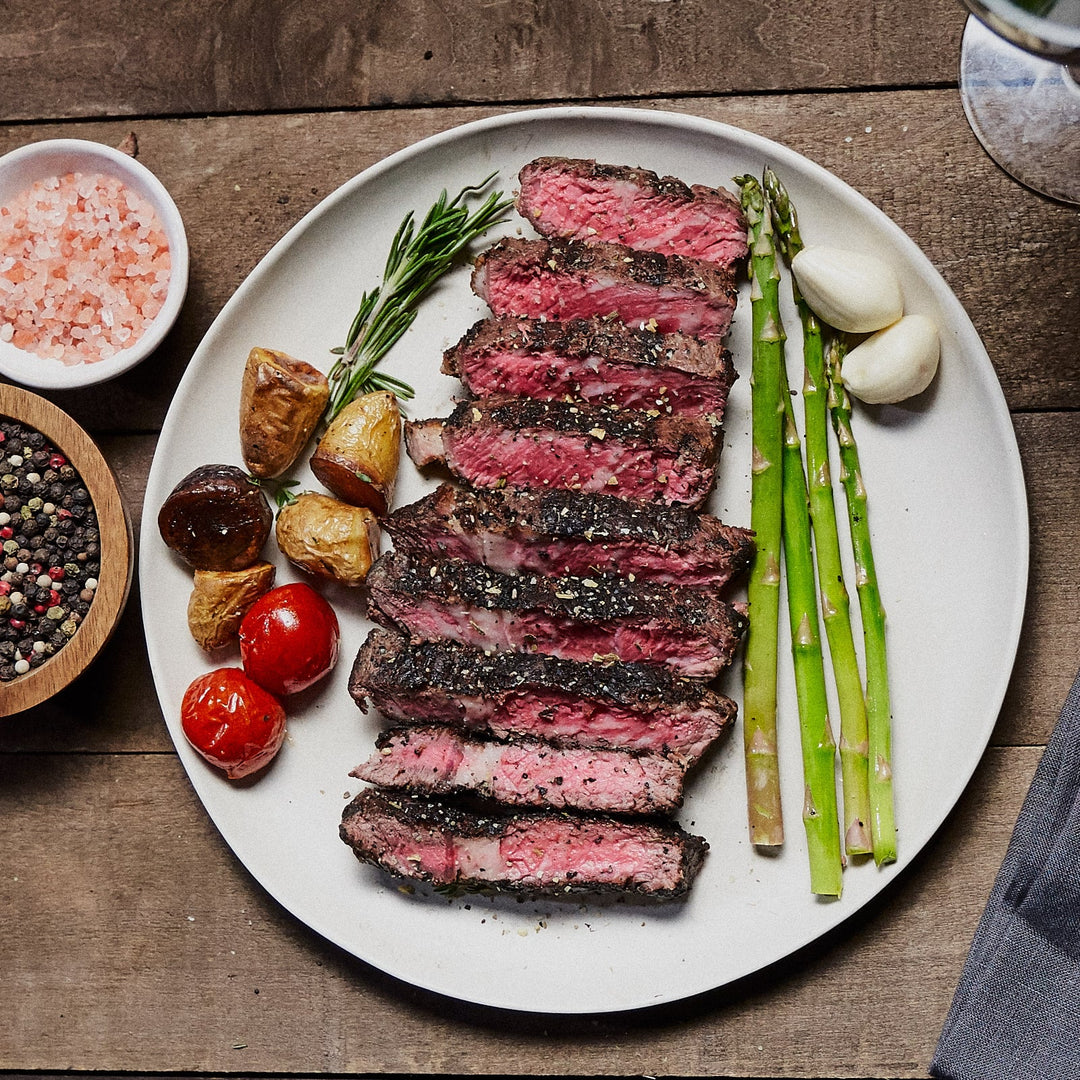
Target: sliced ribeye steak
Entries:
(629, 706)
(597, 618)
(565, 279)
(438, 760)
(419, 838)
(579, 199)
(526, 443)
(571, 532)
(597, 360)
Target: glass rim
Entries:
(1042, 36)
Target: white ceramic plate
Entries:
(949, 520)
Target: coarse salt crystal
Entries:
(80, 251)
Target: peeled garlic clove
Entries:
(895, 363)
(850, 291)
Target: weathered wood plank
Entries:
(70, 60)
(242, 182)
(141, 941)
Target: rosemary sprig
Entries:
(417, 259)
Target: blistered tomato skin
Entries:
(289, 639)
(232, 722)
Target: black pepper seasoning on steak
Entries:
(570, 703)
(422, 839)
(605, 617)
(584, 200)
(525, 443)
(602, 361)
(571, 532)
(565, 279)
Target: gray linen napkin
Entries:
(1016, 1011)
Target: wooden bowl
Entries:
(117, 552)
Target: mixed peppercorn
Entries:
(50, 549)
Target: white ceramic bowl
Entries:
(57, 157)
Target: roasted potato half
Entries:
(220, 600)
(328, 537)
(357, 458)
(281, 400)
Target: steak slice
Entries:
(565, 279)
(412, 836)
(438, 760)
(578, 199)
(628, 706)
(597, 360)
(606, 617)
(571, 532)
(525, 443)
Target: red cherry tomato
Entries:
(232, 721)
(289, 639)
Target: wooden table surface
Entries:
(133, 940)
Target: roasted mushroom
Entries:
(216, 518)
(281, 400)
(221, 599)
(329, 538)
(357, 458)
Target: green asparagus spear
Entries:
(816, 737)
(818, 744)
(882, 821)
(763, 587)
(835, 605)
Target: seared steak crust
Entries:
(415, 837)
(523, 442)
(579, 618)
(570, 703)
(582, 200)
(598, 360)
(565, 279)
(571, 532)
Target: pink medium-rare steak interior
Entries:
(582, 200)
(571, 532)
(584, 619)
(628, 706)
(527, 443)
(529, 851)
(602, 361)
(564, 279)
(523, 772)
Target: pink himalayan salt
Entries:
(84, 268)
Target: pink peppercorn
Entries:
(56, 573)
(57, 461)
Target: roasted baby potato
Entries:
(221, 599)
(216, 518)
(357, 458)
(328, 537)
(281, 400)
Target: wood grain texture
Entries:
(130, 954)
(242, 182)
(71, 60)
(140, 944)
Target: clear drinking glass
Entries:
(1020, 84)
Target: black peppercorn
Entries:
(50, 550)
